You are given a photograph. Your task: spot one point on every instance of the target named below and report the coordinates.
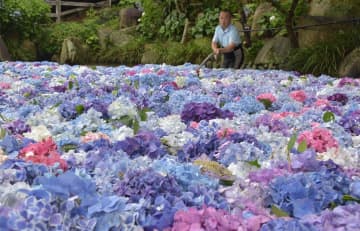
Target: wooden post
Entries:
(109, 2)
(4, 53)
(58, 11)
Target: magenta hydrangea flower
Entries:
(321, 139)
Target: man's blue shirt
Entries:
(227, 36)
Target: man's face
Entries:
(224, 19)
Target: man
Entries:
(227, 36)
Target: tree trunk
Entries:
(4, 53)
(289, 21)
(246, 28)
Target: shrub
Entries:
(23, 17)
(324, 57)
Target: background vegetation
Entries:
(161, 29)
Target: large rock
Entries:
(325, 11)
(312, 35)
(260, 11)
(109, 37)
(129, 17)
(274, 51)
(152, 54)
(350, 66)
(73, 52)
(335, 8)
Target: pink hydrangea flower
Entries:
(225, 132)
(320, 139)
(194, 124)
(44, 152)
(299, 96)
(321, 102)
(266, 96)
(91, 136)
(5, 85)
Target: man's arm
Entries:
(227, 49)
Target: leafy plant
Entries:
(23, 17)
(126, 3)
(271, 23)
(325, 56)
(174, 25)
(205, 23)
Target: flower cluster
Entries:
(338, 97)
(203, 111)
(17, 127)
(308, 193)
(274, 125)
(247, 104)
(143, 144)
(299, 96)
(44, 152)
(207, 218)
(320, 139)
(351, 122)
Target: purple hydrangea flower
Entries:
(203, 111)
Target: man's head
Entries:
(224, 18)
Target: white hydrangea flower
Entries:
(172, 124)
(121, 133)
(38, 133)
(122, 107)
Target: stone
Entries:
(350, 66)
(335, 8)
(310, 36)
(129, 17)
(151, 54)
(274, 51)
(73, 52)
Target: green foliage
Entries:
(152, 18)
(126, 3)
(128, 54)
(173, 26)
(271, 23)
(328, 116)
(54, 36)
(278, 212)
(205, 23)
(23, 17)
(252, 51)
(325, 56)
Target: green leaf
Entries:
(267, 103)
(71, 85)
(302, 146)
(226, 182)
(68, 147)
(254, 163)
(126, 120)
(328, 116)
(278, 212)
(142, 114)
(136, 126)
(350, 198)
(2, 133)
(292, 142)
(79, 109)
